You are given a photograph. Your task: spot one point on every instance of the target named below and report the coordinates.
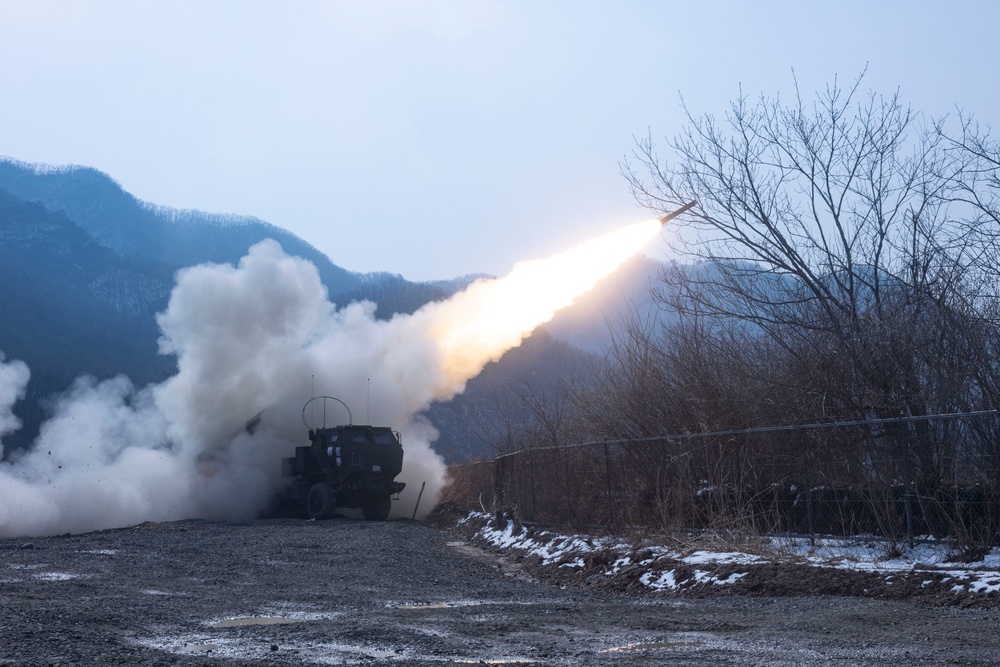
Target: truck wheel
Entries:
(321, 501)
(377, 509)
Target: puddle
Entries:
(650, 646)
(258, 620)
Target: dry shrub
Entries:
(468, 484)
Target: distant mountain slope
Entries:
(132, 228)
(69, 307)
(455, 285)
(393, 294)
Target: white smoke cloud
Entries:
(14, 377)
(261, 338)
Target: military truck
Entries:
(349, 465)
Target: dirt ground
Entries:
(288, 591)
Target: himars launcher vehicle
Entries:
(350, 465)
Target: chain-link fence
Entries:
(903, 479)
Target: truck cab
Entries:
(351, 466)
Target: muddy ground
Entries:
(287, 591)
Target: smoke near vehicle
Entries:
(259, 337)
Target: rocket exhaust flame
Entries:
(248, 339)
(490, 317)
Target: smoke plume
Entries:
(261, 338)
(13, 381)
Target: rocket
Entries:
(670, 216)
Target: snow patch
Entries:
(657, 566)
(571, 552)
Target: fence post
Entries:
(908, 474)
(808, 485)
(607, 484)
(531, 466)
(995, 523)
(499, 489)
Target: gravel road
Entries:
(343, 591)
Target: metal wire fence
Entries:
(902, 479)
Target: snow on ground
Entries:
(661, 567)
(862, 554)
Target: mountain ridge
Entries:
(131, 227)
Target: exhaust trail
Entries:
(253, 338)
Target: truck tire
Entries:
(320, 501)
(377, 509)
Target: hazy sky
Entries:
(437, 138)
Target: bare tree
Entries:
(824, 226)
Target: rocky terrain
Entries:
(288, 591)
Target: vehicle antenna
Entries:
(368, 410)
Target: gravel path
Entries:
(288, 591)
